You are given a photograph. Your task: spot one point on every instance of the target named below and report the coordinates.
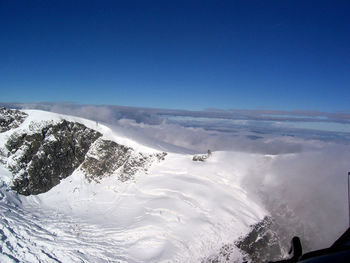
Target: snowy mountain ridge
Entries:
(88, 194)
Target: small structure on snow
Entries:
(202, 157)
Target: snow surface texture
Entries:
(302, 182)
(179, 211)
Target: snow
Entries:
(176, 212)
(180, 211)
(108, 133)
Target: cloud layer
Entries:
(301, 178)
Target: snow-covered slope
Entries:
(172, 209)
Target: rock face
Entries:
(261, 245)
(40, 160)
(107, 157)
(46, 152)
(10, 119)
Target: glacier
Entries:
(135, 197)
(176, 210)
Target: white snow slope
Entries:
(179, 211)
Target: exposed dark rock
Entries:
(261, 245)
(10, 119)
(41, 159)
(225, 255)
(139, 162)
(2, 157)
(47, 152)
(107, 157)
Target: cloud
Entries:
(103, 113)
(300, 177)
(306, 193)
(151, 115)
(202, 130)
(278, 115)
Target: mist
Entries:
(306, 194)
(300, 176)
(302, 182)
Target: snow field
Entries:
(179, 211)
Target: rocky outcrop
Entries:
(259, 246)
(46, 152)
(262, 243)
(10, 119)
(41, 159)
(107, 158)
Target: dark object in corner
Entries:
(339, 252)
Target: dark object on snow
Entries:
(202, 157)
(42, 159)
(10, 119)
(262, 243)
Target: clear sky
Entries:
(177, 54)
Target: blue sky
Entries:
(285, 55)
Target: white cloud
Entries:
(303, 184)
